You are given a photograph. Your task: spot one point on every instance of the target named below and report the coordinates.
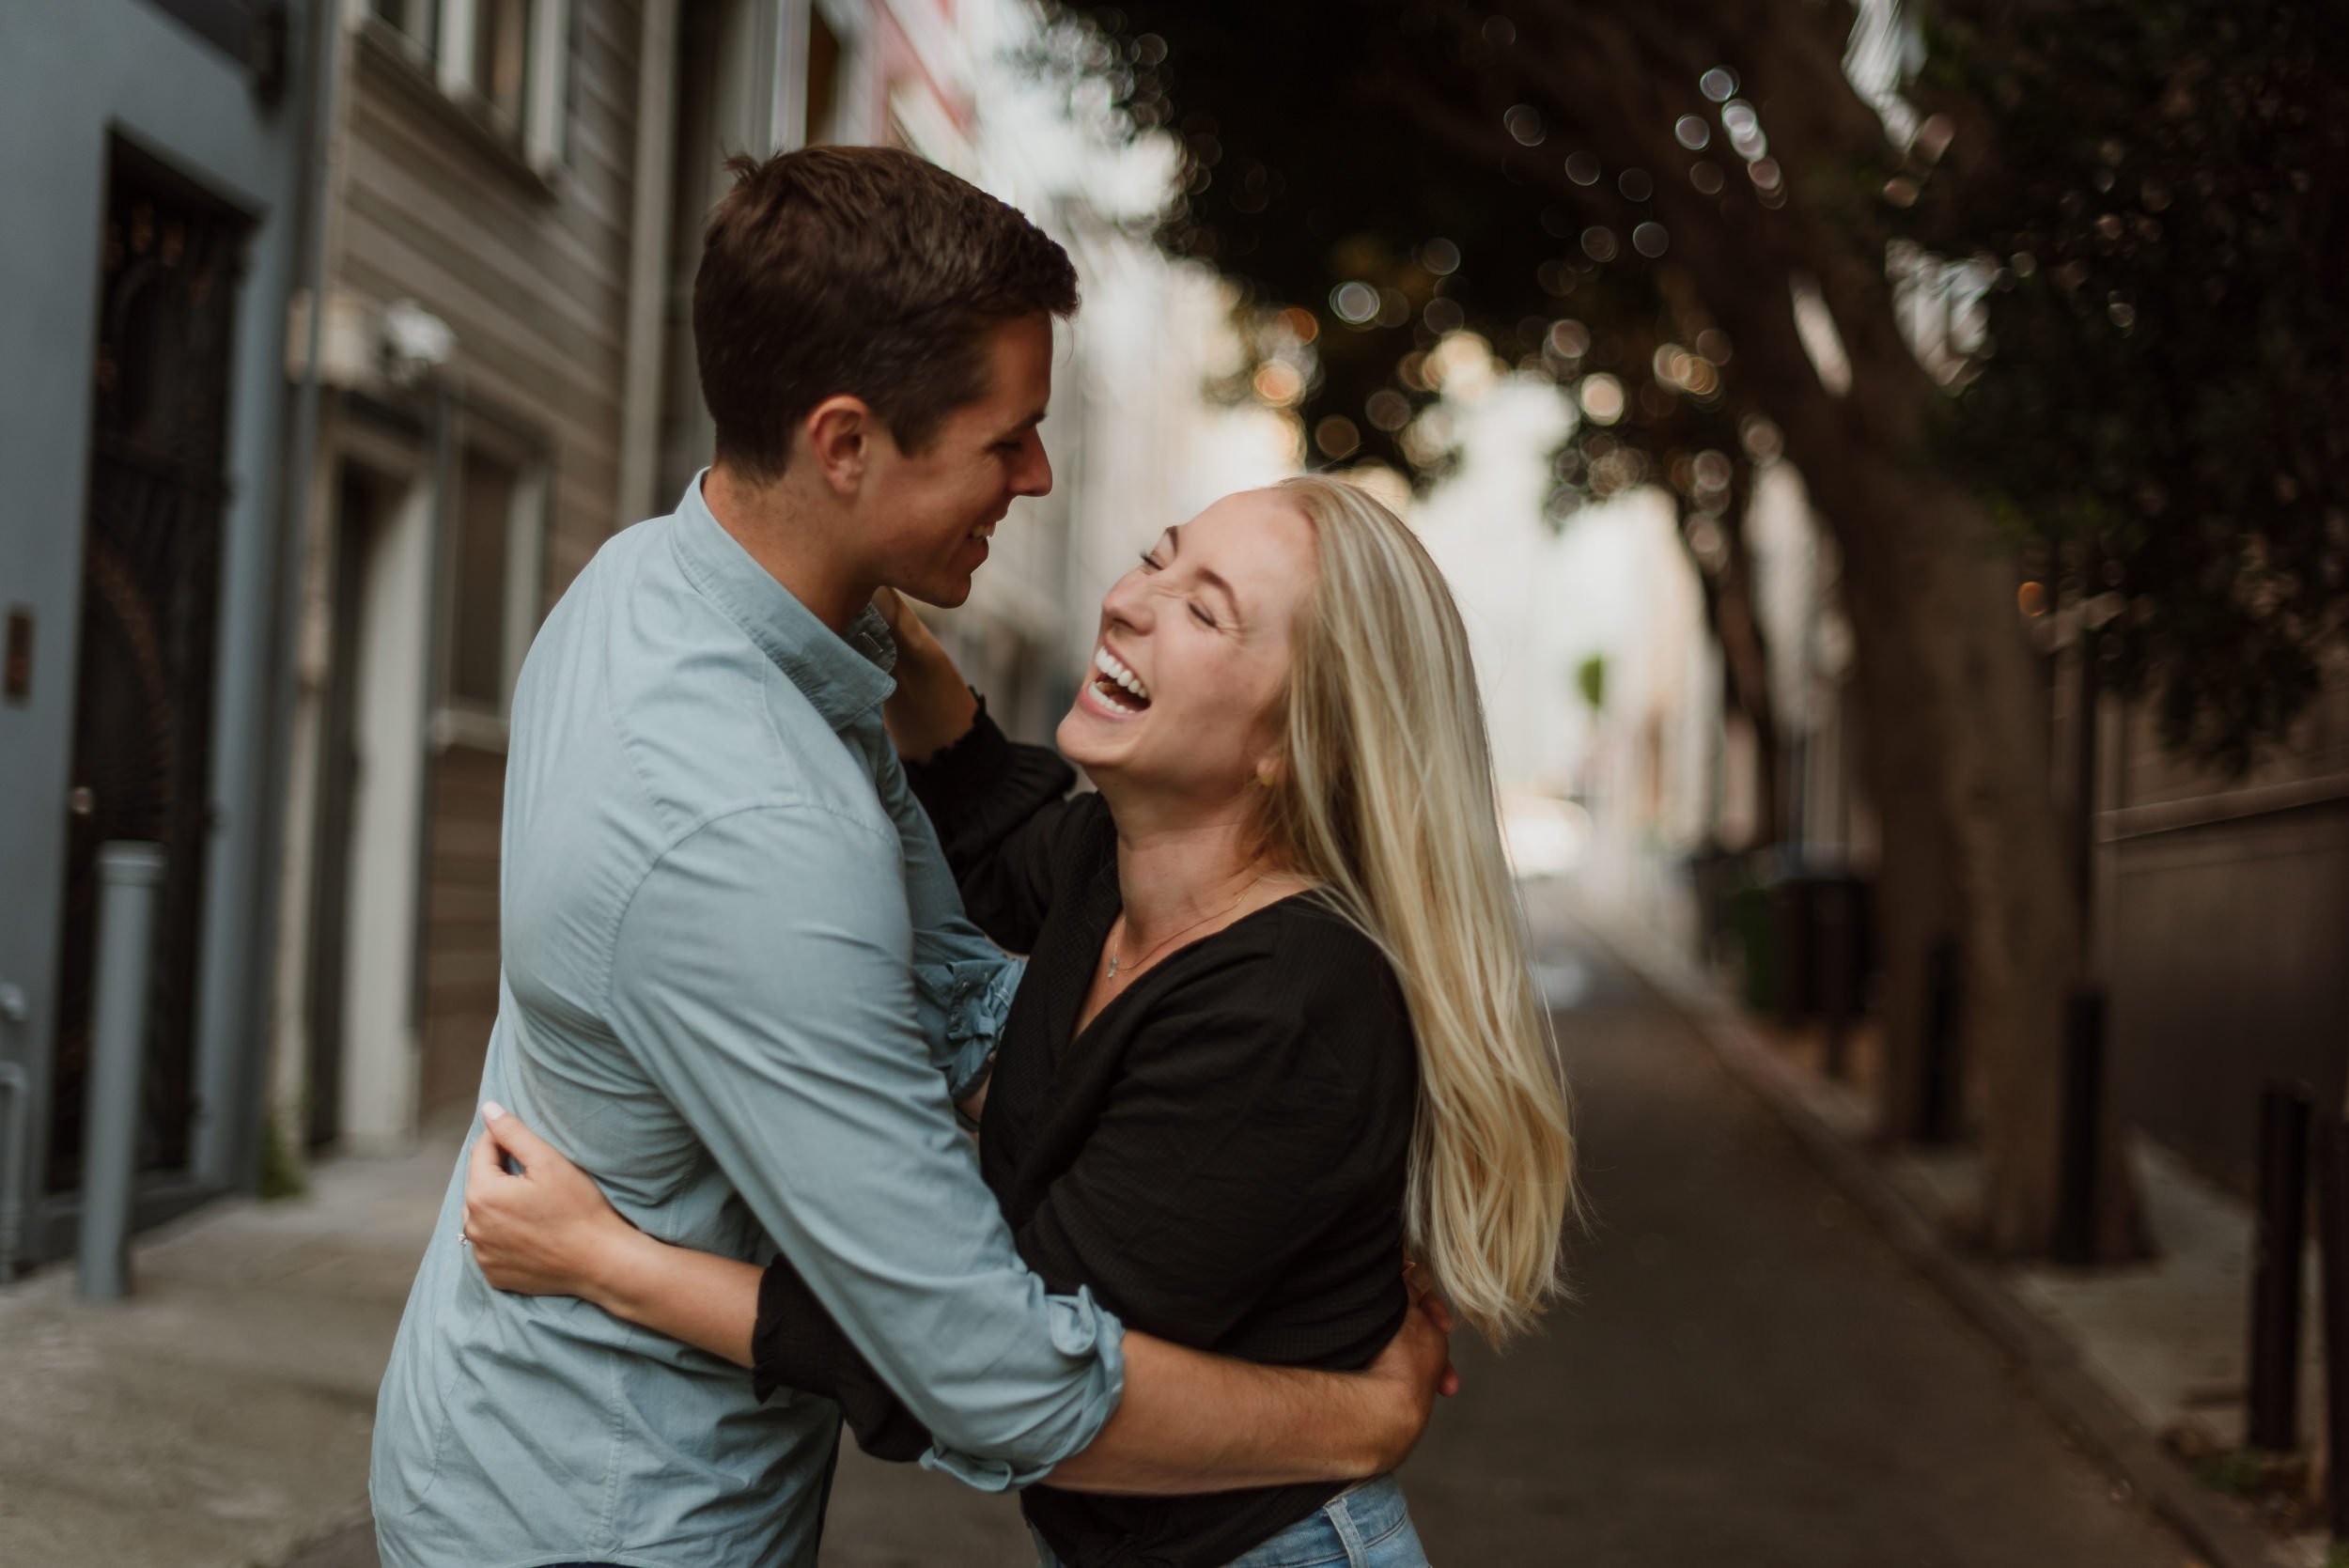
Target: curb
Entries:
(2048, 1364)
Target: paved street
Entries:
(1750, 1377)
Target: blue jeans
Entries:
(1366, 1525)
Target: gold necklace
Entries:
(1187, 929)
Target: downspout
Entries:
(325, 38)
(440, 607)
(648, 265)
(15, 1094)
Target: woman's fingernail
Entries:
(492, 1110)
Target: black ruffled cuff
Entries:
(796, 1344)
(984, 785)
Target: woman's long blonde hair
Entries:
(1387, 797)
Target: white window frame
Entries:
(544, 129)
(460, 720)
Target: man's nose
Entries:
(1033, 475)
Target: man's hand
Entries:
(1415, 1368)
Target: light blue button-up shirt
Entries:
(738, 988)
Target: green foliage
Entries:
(2156, 188)
(1304, 176)
(1589, 678)
(2163, 418)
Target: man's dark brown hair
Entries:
(862, 270)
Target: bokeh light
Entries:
(1598, 242)
(1601, 398)
(1279, 383)
(1440, 256)
(1524, 124)
(1388, 409)
(1462, 366)
(1583, 168)
(1635, 185)
(1337, 437)
(1355, 303)
(1692, 133)
(1718, 83)
(1706, 177)
(1649, 239)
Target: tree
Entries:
(1594, 188)
(2157, 192)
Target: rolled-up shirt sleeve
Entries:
(763, 973)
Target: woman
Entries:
(1277, 1028)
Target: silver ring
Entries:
(463, 1240)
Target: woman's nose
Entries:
(1128, 603)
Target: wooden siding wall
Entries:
(531, 273)
(460, 935)
(2227, 935)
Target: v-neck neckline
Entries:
(1105, 900)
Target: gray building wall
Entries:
(73, 74)
(2227, 936)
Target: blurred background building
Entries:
(155, 159)
(386, 311)
(380, 316)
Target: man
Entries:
(737, 987)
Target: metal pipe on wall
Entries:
(326, 36)
(130, 877)
(648, 264)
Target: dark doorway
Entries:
(169, 271)
(355, 507)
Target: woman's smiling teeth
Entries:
(1112, 677)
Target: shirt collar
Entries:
(845, 674)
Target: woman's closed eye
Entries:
(1200, 613)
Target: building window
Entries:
(509, 61)
(823, 78)
(412, 19)
(496, 544)
(501, 59)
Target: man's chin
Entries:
(949, 593)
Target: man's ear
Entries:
(839, 433)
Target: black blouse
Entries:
(1220, 1156)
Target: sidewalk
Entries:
(1751, 1374)
(221, 1415)
(2143, 1363)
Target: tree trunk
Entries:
(1729, 615)
(1953, 708)
(1964, 715)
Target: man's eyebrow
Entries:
(1024, 425)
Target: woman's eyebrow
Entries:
(1206, 575)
